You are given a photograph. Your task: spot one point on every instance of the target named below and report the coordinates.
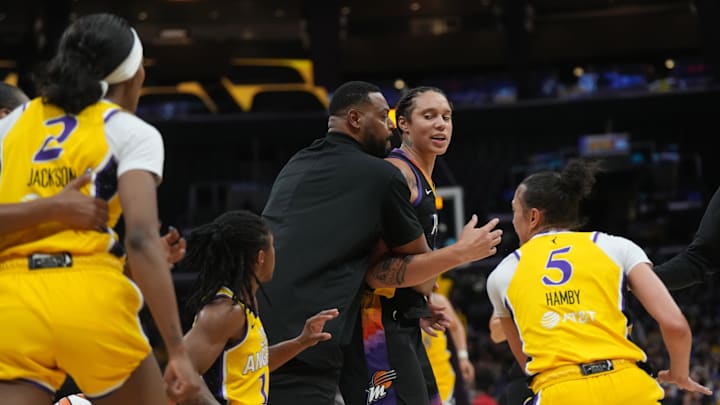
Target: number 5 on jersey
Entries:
(556, 263)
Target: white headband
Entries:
(127, 68)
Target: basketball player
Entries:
(392, 317)
(688, 268)
(327, 209)
(560, 301)
(233, 255)
(72, 309)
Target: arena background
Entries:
(236, 87)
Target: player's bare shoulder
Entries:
(222, 317)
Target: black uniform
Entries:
(328, 208)
(406, 354)
(517, 391)
(702, 255)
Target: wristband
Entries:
(462, 354)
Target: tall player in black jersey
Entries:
(424, 119)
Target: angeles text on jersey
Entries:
(256, 361)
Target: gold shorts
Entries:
(80, 320)
(626, 383)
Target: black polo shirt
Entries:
(328, 208)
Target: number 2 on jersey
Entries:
(52, 150)
(563, 265)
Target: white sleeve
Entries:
(626, 253)
(136, 144)
(498, 282)
(7, 122)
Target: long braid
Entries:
(202, 256)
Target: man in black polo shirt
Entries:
(330, 205)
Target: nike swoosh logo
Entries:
(427, 192)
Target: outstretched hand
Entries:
(79, 211)
(313, 332)
(175, 245)
(684, 383)
(478, 243)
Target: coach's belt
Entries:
(49, 261)
(575, 371)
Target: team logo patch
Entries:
(380, 383)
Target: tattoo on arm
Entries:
(392, 270)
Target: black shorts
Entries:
(517, 391)
(410, 376)
(297, 382)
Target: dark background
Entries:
(528, 79)
(507, 66)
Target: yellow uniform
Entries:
(70, 306)
(240, 375)
(43, 151)
(439, 356)
(564, 291)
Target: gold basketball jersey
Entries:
(43, 151)
(241, 374)
(566, 296)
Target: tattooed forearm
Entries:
(392, 270)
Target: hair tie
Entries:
(130, 65)
(127, 68)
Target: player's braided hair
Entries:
(223, 252)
